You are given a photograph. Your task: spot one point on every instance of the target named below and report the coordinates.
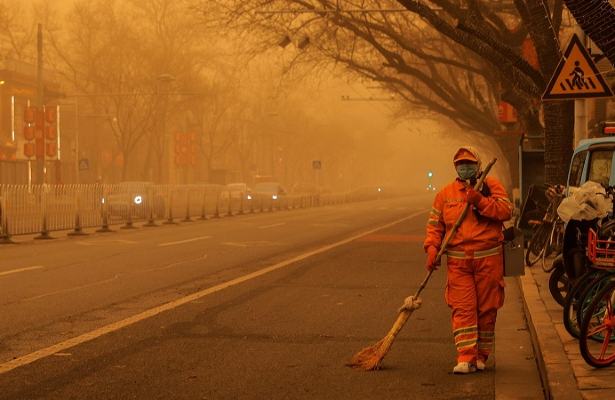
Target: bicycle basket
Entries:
(601, 252)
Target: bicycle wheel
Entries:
(551, 248)
(587, 296)
(599, 320)
(559, 284)
(537, 244)
(557, 240)
(572, 302)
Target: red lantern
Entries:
(29, 114)
(51, 150)
(50, 132)
(50, 114)
(28, 132)
(28, 150)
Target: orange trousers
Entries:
(474, 292)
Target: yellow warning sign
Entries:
(576, 76)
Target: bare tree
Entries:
(17, 31)
(467, 56)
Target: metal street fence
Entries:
(31, 209)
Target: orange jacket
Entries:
(481, 228)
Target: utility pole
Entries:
(40, 102)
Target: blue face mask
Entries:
(467, 171)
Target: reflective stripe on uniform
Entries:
(436, 211)
(432, 222)
(466, 343)
(477, 254)
(486, 340)
(465, 329)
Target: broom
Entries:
(370, 358)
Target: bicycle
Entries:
(548, 232)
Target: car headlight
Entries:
(138, 199)
(102, 200)
(249, 197)
(274, 197)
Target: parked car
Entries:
(236, 190)
(269, 189)
(136, 198)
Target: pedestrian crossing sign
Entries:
(576, 76)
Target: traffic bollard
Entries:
(187, 217)
(204, 206)
(170, 197)
(5, 236)
(78, 230)
(128, 224)
(44, 235)
(151, 219)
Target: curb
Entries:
(556, 372)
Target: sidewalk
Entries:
(564, 372)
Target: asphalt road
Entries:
(279, 333)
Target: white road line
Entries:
(175, 264)
(184, 241)
(18, 270)
(89, 336)
(235, 244)
(256, 243)
(272, 225)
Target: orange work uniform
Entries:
(475, 285)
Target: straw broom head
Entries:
(370, 358)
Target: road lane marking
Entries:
(272, 225)
(175, 264)
(18, 270)
(257, 243)
(330, 225)
(89, 336)
(184, 241)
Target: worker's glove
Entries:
(473, 197)
(432, 254)
(411, 303)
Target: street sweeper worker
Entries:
(475, 285)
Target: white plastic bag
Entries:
(587, 203)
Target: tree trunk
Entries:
(125, 166)
(559, 140)
(597, 19)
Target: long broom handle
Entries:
(448, 237)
